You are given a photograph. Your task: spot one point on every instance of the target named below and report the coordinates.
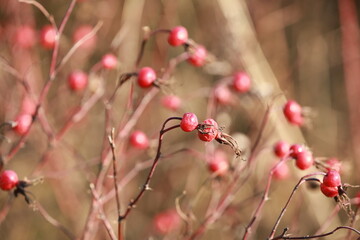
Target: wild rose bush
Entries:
(149, 120)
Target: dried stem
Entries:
(112, 146)
(282, 236)
(301, 181)
(54, 222)
(146, 186)
(105, 221)
(264, 198)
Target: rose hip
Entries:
(189, 122)
(332, 179)
(282, 149)
(178, 36)
(8, 180)
(208, 130)
(241, 82)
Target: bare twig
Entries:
(112, 146)
(282, 236)
(305, 178)
(53, 221)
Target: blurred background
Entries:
(302, 50)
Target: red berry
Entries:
(139, 140)
(28, 106)
(77, 80)
(329, 191)
(222, 94)
(333, 164)
(189, 122)
(23, 122)
(109, 61)
(167, 222)
(295, 149)
(198, 57)
(8, 180)
(282, 149)
(332, 179)
(80, 33)
(146, 77)
(281, 172)
(219, 163)
(171, 102)
(241, 82)
(357, 199)
(48, 37)
(25, 36)
(304, 160)
(293, 113)
(209, 130)
(178, 36)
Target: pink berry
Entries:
(23, 123)
(28, 106)
(357, 199)
(281, 172)
(178, 36)
(333, 164)
(332, 179)
(304, 160)
(222, 94)
(8, 180)
(109, 61)
(77, 80)
(329, 191)
(241, 82)
(198, 57)
(146, 77)
(209, 130)
(25, 36)
(189, 122)
(293, 113)
(171, 102)
(219, 163)
(167, 222)
(282, 149)
(48, 37)
(295, 149)
(139, 140)
(80, 33)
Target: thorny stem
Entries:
(282, 236)
(301, 181)
(152, 169)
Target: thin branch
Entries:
(146, 186)
(301, 181)
(78, 44)
(264, 198)
(53, 221)
(105, 221)
(112, 145)
(282, 236)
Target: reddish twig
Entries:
(264, 198)
(53, 221)
(105, 221)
